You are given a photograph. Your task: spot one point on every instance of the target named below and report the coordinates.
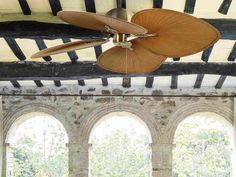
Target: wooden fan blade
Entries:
(98, 22)
(69, 47)
(177, 34)
(122, 60)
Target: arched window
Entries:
(37, 147)
(203, 147)
(120, 146)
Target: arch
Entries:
(90, 121)
(15, 117)
(223, 121)
(190, 109)
(12, 131)
(121, 114)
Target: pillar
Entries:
(234, 154)
(1, 138)
(162, 160)
(78, 160)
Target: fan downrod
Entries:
(120, 39)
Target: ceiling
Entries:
(11, 10)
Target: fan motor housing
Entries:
(120, 13)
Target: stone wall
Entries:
(79, 114)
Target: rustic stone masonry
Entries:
(79, 114)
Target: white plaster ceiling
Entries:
(160, 82)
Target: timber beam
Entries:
(90, 70)
(33, 29)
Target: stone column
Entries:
(234, 158)
(78, 160)
(162, 160)
(1, 137)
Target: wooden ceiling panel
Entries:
(93, 82)
(138, 81)
(187, 81)
(77, 5)
(26, 83)
(192, 58)
(162, 81)
(25, 45)
(69, 82)
(210, 80)
(221, 51)
(137, 5)
(115, 81)
(209, 9)
(102, 7)
(6, 54)
(177, 5)
(232, 10)
(230, 82)
(47, 82)
(5, 84)
(39, 6)
(10, 6)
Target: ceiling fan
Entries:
(156, 34)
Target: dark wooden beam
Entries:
(57, 83)
(174, 82)
(232, 55)
(38, 83)
(176, 59)
(121, 3)
(206, 54)
(198, 82)
(224, 7)
(189, 6)
(41, 45)
(98, 51)
(55, 6)
(220, 82)
(25, 7)
(126, 82)
(227, 27)
(90, 70)
(29, 29)
(15, 83)
(33, 30)
(90, 6)
(104, 82)
(157, 3)
(149, 82)
(15, 48)
(81, 82)
(72, 54)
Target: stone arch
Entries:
(90, 121)
(190, 109)
(94, 116)
(13, 116)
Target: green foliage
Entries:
(23, 164)
(201, 151)
(34, 159)
(119, 155)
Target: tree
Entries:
(202, 150)
(40, 154)
(118, 155)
